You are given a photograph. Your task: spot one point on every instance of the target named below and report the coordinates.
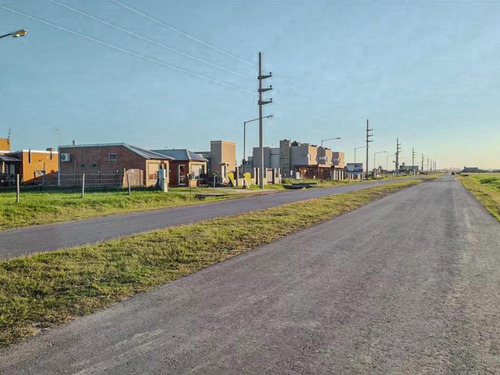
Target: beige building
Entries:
(221, 157)
(338, 159)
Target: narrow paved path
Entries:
(28, 240)
(405, 285)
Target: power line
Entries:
(183, 33)
(149, 40)
(127, 51)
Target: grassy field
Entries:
(48, 207)
(47, 289)
(486, 188)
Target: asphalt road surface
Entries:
(405, 285)
(28, 240)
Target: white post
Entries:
(17, 188)
(83, 185)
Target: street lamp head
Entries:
(19, 33)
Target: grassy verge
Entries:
(486, 188)
(47, 289)
(49, 207)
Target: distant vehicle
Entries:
(453, 173)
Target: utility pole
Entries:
(261, 133)
(398, 150)
(427, 170)
(368, 140)
(422, 163)
(413, 159)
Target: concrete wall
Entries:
(324, 156)
(222, 152)
(338, 159)
(284, 156)
(271, 157)
(303, 154)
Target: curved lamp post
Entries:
(374, 155)
(245, 133)
(15, 34)
(357, 148)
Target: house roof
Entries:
(6, 158)
(181, 154)
(147, 154)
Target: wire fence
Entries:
(76, 182)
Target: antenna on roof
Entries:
(10, 133)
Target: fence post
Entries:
(18, 188)
(83, 185)
(128, 184)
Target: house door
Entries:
(181, 175)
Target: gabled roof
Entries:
(147, 154)
(181, 154)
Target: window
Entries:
(113, 157)
(82, 166)
(94, 165)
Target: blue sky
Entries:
(426, 72)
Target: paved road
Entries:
(405, 285)
(17, 242)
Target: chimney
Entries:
(73, 142)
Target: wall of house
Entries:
(37, 166)
(324, 156)
(303, 154)
(4, 145)
(338, 159)
(222, 152)
(284, 156)
(95, 161)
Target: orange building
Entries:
(4, 145)
(34, 166)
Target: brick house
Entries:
(184, 163)
(33, 166)
(109, 164)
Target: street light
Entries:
(387, 161)
(330, 139)
(15, 34)
(245, 132)
(380, 152)
(357, 148)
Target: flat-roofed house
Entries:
(33, 166)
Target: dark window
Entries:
(83, 166)
(113, 157)
(94, 165)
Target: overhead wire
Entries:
(183, 33)
(150, 40)
(126, 51)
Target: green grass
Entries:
(486, 188)
(48, 207)
(47, 289)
